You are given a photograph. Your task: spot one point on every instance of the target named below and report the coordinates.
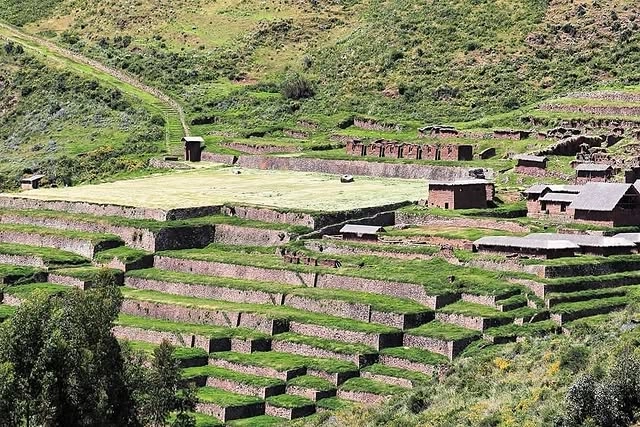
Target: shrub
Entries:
(296, 86)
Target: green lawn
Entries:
(416, 355)
(51, 257)
(285, 361)
(224, 398)
(371, 386)
(311, 382)
(443, 331)
(189, 328)
(227, 374)
(325, 344)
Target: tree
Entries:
(62, 362)
(164, 392)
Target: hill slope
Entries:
(428, 60)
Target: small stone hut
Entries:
(193, 146)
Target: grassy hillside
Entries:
(425, 61)
(68, 127)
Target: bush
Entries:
(296, 86)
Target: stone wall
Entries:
(234, 271)
(261, 149)
(84, 247)
(362, 397)
(224, 318)
(58, 279)
(237, 235)
(436, 221)
(230, 413)
(156, 337)
(372, 124)
(377, 341)
(360, 360)
(601, 110)
(401, 363)
(226, 159)
(449, 348)
(269, 215)
(24, 260)
(362, 168)
(99, 209)
(206, 291)
(263, 371)
(476, 323)
(395, 289)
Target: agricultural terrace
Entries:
(217, 186)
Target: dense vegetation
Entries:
(61, 365)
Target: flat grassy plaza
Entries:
(216, 186)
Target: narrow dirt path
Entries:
(174, 113)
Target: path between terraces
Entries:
(156, 100)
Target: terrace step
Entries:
(285, 366)
(513, 333)
(585, 283)
(414, 359)
(210, 262)
(368, 391)
(146, 234)
(480, 317)
(569, 311)
(266, 318)
(227, 406)
(441, 338)
(258, 421)
(489, 300)
(81, 243)
(358, 354)
(236, 382)
(80, 277)
(559, 298)
(12, 274)
(187, 357)
(14, 295)
(333, 404)
(311, 387)
(207, 337)
(37, 256)
(361, 306)
(124, 258)
(407, 378)
(289, 406)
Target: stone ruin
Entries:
(295, 257)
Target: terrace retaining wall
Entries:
(362, 397)
(310, 393)
(375, 340)
(136, 237)
(435, 221)
(233, 270)
(395, 289)
(449, 348)
(204, 316)
(24, 260)
(349, 167)
(206, 291)
(476, 323)
(232, 412)
(289, 413)
(360, 360)
(156, 337)
(397, 362)
(79, 246)
(101, 209)
(237, 235)
(262, 371)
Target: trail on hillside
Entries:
(169, 107)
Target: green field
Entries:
(215, 186)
